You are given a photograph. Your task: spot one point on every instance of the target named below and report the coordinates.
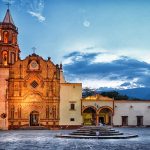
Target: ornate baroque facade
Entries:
(31, 88)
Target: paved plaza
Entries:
(45, 139)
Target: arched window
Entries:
(13, 39)
(12, 58)
(12, 111)
(6, 36)
(4, 56)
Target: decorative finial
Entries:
(8, 3)
(33, 48)
(49, 58)
(61, 65)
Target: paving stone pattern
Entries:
(45, 140)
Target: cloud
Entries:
(37, 15)
(120, 72)
(36, 8)
(33, 7)
(105, 57)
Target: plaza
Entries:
(45, 139)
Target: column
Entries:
(97, 119)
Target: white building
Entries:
(96, 109)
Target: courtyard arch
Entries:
(105, 115)
(89, 115)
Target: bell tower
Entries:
(9, 49)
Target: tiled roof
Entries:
(8, 18)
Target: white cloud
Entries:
(37, 15)
(67, 61)
(33, 7)
(106, 82)
(142, 55)
(36, 8)
(105, 58)
(96, 83)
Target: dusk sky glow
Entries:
(102, 43)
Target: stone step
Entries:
(96, 131)
(97, 137)
(93, 134)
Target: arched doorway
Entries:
(105, 116)
(34, 118)
(89, 116)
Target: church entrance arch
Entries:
(105, 116)
(89, 116)
(34, 118)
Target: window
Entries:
(34, 84)
(72, 119)
(12, 58)
(47, 112)
(6, 37)
(139, 120)
(124, 120)
(13, 39)
(72, 106)
(12, 112)
(4, 55)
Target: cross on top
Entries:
(33, 48)
(8, 3)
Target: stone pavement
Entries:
(45, 140)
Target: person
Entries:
(100, 124)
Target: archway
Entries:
(34, 118)
(89, 116)
(105, 116)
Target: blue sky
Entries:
(102, 43)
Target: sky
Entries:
(101, 43)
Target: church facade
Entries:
(33, 92)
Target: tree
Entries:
(115, 95)
(88, 92)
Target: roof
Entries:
(98, 97)
(8, 18)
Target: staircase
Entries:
(95, 131)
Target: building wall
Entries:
(132, 109)
(98, 104)
(24, 98)
(70, 94)
(120, 108)
(4, 74)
